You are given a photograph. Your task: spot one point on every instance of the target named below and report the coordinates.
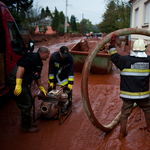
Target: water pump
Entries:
(55, 105)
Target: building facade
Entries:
(140, 17)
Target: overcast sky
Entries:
(88, 9)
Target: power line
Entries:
(85, 10)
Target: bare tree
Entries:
(34, 13)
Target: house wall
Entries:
(140, 5)
(49, 31)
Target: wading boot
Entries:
(123, 124)
(147, 118)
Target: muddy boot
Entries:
(123, 123)
(147, 118)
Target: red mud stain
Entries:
(77, 132)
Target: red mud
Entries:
(77, 132)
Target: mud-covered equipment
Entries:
(140, 45)
(55, 105)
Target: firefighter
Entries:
(134, 81)
(27, 69)
(61, 71)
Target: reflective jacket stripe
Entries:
(56, 64)
(112, 51)
(64, 82)
(71, 78)
(134, 97)
(134, 93)
(134, 74)
(51, 76)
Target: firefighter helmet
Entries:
(140, 45)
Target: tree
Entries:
(18, 9)
(48, 12)
(84, 26)
(55, 21)
(73, 23)
(42, 13)
(61, 18)
(60, 29)
(117, 16)
(17, 5)
(32, 15)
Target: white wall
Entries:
(140, 5)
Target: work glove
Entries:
(51, 85)
(113, 39)
(18, 87)
(70, 87)
(42, 90)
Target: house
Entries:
(140, 17)
(44, 22)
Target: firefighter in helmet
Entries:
(134, 81)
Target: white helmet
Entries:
(140, 45)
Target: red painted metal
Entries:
(85, 76)
(10, 58)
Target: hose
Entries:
(85, 76)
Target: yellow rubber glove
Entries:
(43, 90)
(18, 87)
(51, 85)
(70, 87)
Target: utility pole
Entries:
(65, 29)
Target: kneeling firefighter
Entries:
(61, 71)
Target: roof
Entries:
(45, 21)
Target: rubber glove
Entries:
(18, 87)
(70, 87)
(113, 39)
(43, 90)
(51, 85)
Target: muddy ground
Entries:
(77, 132)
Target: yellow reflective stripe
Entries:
(51, 77)
(134, 94)
(71, 79)
(136, 70)
(56, 65)
(112, 52)
(64, 83)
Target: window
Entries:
(147, 11)
(136, 17)
(16, 39)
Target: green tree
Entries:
(84, 26)
(73, 23)
(48, 12)
(60, 29)
(42, 13)
(55, 21)
(116, 16)
(18, 9)
(61, 18)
